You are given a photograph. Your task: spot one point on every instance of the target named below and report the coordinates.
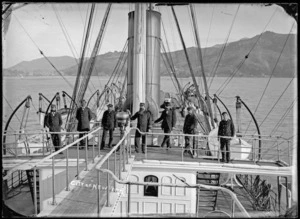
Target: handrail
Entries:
(59, 151)
(198, 136)
(233, 196)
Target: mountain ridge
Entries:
(261, 62)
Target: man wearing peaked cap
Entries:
(109, 122)
(144, 124)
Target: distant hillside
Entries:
(42, 66)
(260, 62)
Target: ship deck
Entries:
(82, 201)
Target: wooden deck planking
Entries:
(82, 201)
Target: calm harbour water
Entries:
(249, 89)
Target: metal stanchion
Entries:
(145, 146)
(93, 152)
(129, 143)
(233, 208)
(128, 200)
(115, 167)
(278, 150)
(289, 158)
(67, 170)
(99, 143)
(35, 191)
(98, 193)
(120, 161)
(254, 154)
(77, 160)
(86, 153)
(123, 149)
(43, 139)
(107, 185)
(53, 181)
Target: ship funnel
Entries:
(151, 80)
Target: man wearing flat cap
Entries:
(189, 127)
(84, 116)
(109, 123)
(168, 118)
(144, 124)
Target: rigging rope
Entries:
(43, 53)
(276, 102)
(11, 107)
(92, 60)
(226, 82)
(63, 28)
(164, 58)
(283, 117)
(212, 15)
(172, 70)
(271, 76)
(214, 70)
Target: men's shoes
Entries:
(222, 160)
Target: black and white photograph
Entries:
(149, 109)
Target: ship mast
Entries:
(139, 56)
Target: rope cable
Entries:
(242, 62)
(283, 117)
(273, 70)
(276, 102)
(41, 52)
(208, 35)
(214, 71)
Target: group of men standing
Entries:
(144, 123)
(53, 121)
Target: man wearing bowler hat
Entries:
(144, 124)
(109, 123)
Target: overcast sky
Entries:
(214, 21)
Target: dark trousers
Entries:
(166, 138)
(137, 140)
(82, 142)
(56, 141)
(225, 144)
(111, 132)
(188, 140)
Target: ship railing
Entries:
(123, 148)
(269, 153)
(17, 178)
(88, 135)
(29, 137)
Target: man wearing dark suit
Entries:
(54, 121)
(168, 118)
(109, 123)
(226, 128)
(189, 127)
(84, 116)
(144, 123)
